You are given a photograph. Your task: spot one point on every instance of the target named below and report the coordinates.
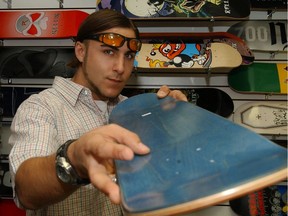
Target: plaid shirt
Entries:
(45, 121)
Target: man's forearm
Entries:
(37, 185)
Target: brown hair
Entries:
(100, 21)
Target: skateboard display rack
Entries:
(185, 29)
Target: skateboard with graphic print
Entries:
(40, 24)
(264, 78)
(203, 38)
(262, 35)
(263, 117)
(179, 9)
(268, 201)
(35, 62)
(195, 160)
(180, 56)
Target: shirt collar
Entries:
(69, 89)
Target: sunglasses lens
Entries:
(134, 45)
(113, 40)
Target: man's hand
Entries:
(165, 91)
(93, 153)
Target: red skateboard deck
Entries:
(179, 9)
(41, 24)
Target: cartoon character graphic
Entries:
(180, 55)
(31, 24)
(154, 8)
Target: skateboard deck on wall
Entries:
(268, 201)
(35, 62)
(41, 24)
(266, 78)
(206, 38)
(212, 99)
(5, 179)
(12, 97)
(269, 5)
(265, 117)
(197, 158)
(179, 9)
(264, 35)
(190, 57)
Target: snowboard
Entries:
(265, 78)
(40, 24)
(179, 9)
(265, 117)
(211, 99)
(35, 62)
(203, 37)
(187, 57)
(262, 35)
(197, 158)
(270, 201)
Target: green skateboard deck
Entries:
(268, 78)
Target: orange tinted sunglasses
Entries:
(116, 40)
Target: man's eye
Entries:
(109, 52)
(130, 55)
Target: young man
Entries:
(63, 147)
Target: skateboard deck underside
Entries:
(197, 158)
(212, 99)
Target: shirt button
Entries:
(85, 92)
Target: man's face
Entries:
(105, 70)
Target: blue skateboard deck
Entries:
(197, 158)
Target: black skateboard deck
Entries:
(179, 9)
(269, 5)
(211, 99)
(35, 62)
(197, 158)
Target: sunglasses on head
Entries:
(116, 40)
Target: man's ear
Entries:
(80, 50)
